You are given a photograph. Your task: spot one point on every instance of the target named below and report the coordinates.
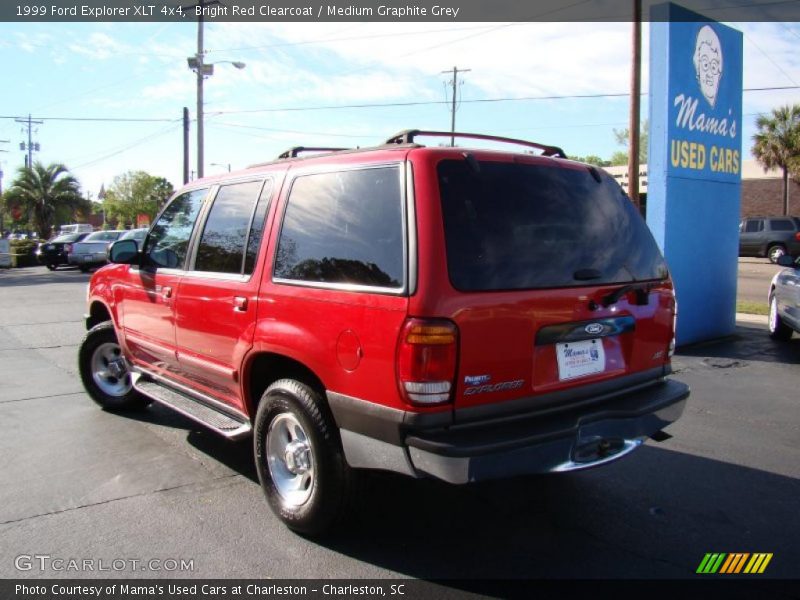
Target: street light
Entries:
(203, 70)
(228, 166)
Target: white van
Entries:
(76, 228)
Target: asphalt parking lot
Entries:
(78, 482)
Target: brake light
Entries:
(797, 236)
(426, 360)
(671, 348)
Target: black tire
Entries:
(315, 508)
(84, 269)
(778, 330)
(51, 266)
(111, 391)
(775, 251)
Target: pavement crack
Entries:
(45, 347)
(43, 323)
(142, 494)
(75, 393)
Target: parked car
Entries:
(770, 237)
(54, 252)
(784, 300)
(92, 251)
(461, 314)
(135, 234)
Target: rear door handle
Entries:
(239, 303)
(166, 292)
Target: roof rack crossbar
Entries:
(295, 150)
(407, 137)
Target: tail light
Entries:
(426, 360)
(68, 248)
(797, 236)
(671, 348)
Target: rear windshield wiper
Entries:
(642, 290)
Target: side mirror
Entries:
(124, 252)
(786, 261)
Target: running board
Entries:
(222, 422)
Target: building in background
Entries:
(762, 193)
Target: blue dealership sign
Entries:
(694, 165)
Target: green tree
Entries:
(591, 159)
(44, 193)
(135, 193)
(776, 144)
(622, 136)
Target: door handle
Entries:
(239, 303)
(166, 292)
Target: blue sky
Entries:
(139, 71)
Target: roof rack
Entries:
(407, 137)
(295, 150)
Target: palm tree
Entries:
(777, 143)
(42, 191)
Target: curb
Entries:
(748, 318)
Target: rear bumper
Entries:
(563, 442)
(575, 438)
(93, 258)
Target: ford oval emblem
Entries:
(594, 328)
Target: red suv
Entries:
(444, 312)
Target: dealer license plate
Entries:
(578, 359)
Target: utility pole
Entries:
(203, 69)
(200, 76)
(636, 88)
(185, 145)
(454, 81)
(2, 211)
(29, 123)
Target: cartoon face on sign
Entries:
(708, 63)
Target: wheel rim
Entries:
(773, 314)
(290, 459)
(110, 370)
(776, 253)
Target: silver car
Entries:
(784, 299)
(91, 251)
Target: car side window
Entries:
(754, 226)
(231, 229)
(168, 242)
(345, 228)
(781, 225)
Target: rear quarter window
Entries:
(344, 227)
(782, 225)
(515, 226)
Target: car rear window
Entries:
(102, 236)
(515, 226)
(65, 239)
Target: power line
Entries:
(472, 101)
(128, 146)
(97, 119)
(769, 58)
(374, 105)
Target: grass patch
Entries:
(752, 308)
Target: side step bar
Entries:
(226, 424)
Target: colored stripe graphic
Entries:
(711, 563)
(733, 563)
(758, 563)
